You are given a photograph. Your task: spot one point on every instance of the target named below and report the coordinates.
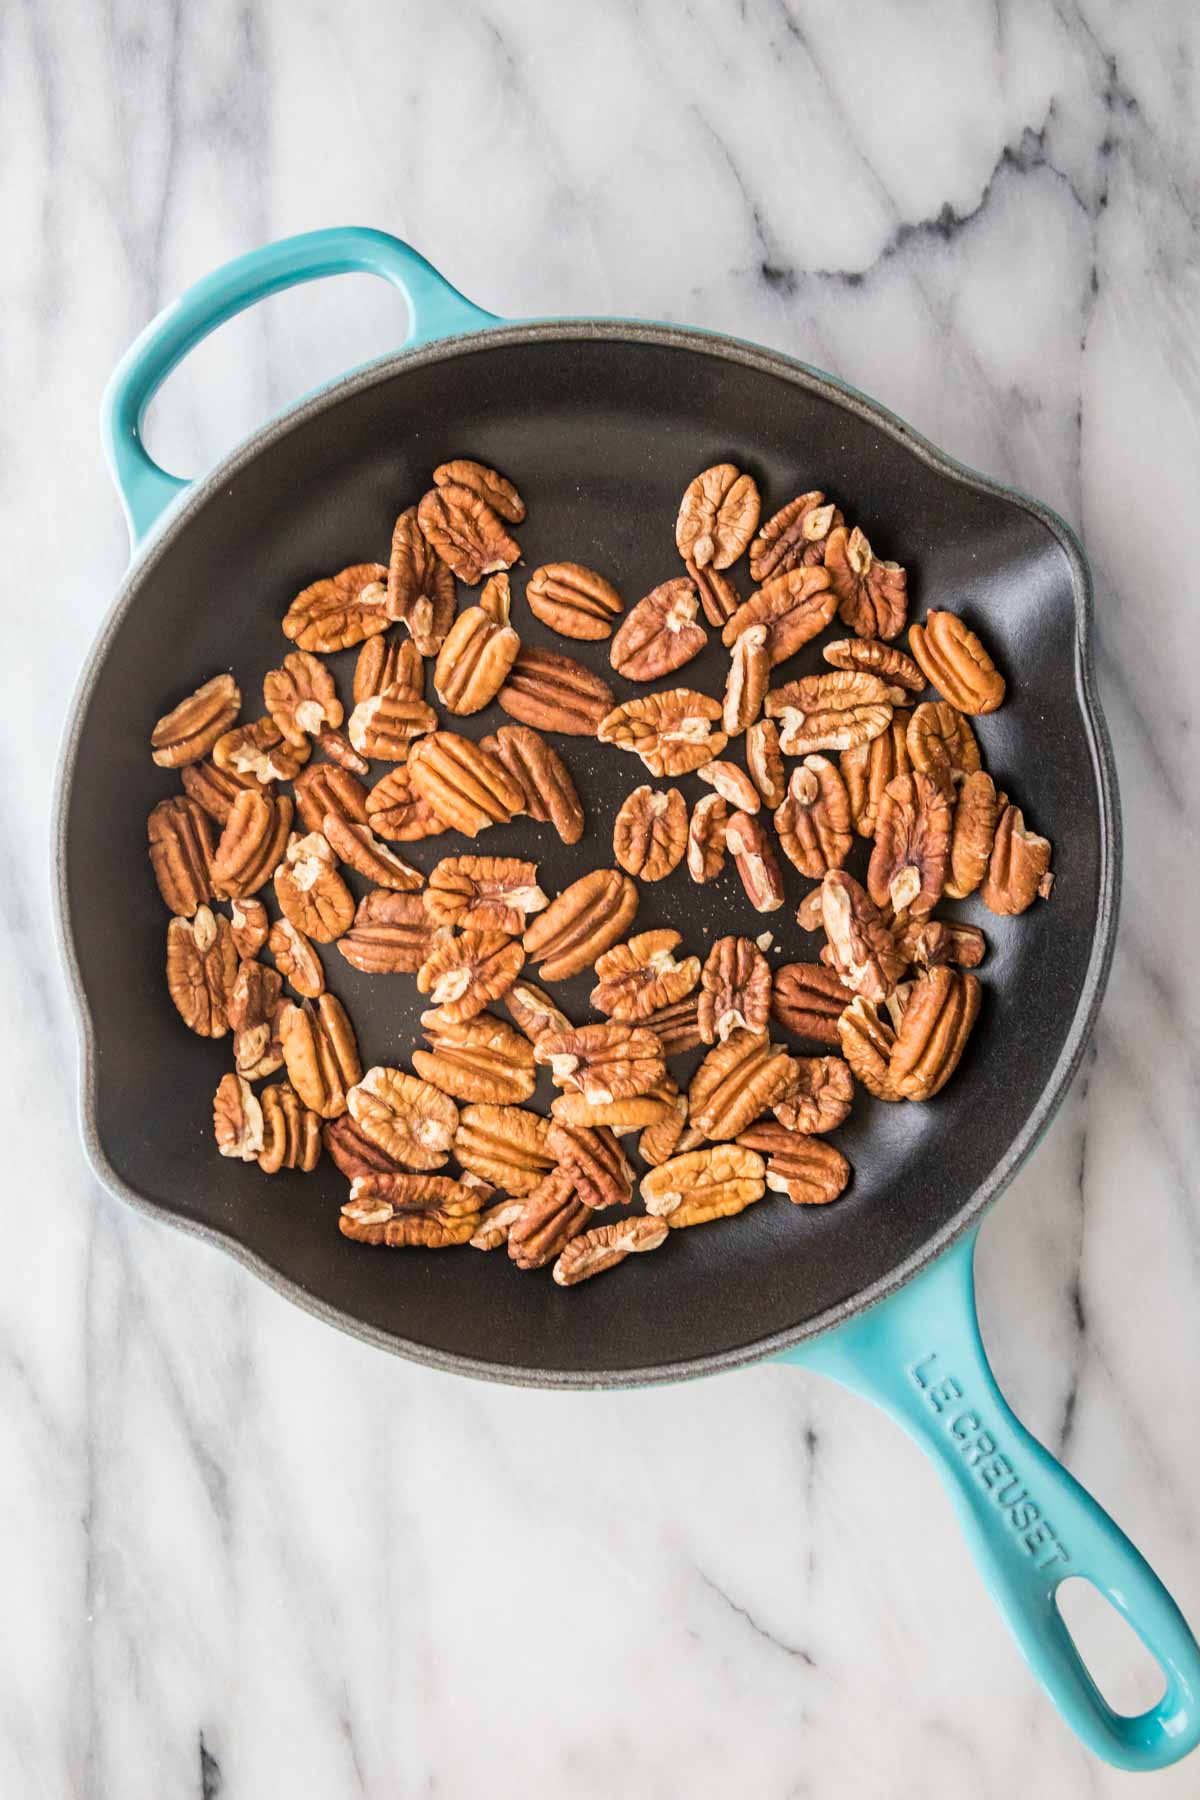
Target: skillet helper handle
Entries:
(1030, 1524)
(436, 310)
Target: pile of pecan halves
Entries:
(826, 756)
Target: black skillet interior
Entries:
(601, 429)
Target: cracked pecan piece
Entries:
(808, 1172)
(639, 977)
(420, 586)
(533, 1011)
(573, 600)
(794, 608)
(738, 1081)
(386, 663)
(867, 1040)
(474, 661)
(552, 1215)
(291, 1132)
(258, 1049)
(956, 663)
(251, 845)
(181, 853)
(933, 1033)
(673, 732)
(749, 845)
(874, 658)
(976, 815)
(813, 824)
(338, 748)
(254, 996)
(484, 893)
(237, 1119)
(258, 749)
(202, 967)
(619, 1116)
(925, 942)
(719, 598)
(601, 1174)
(747, 682)
(481, 1060)
(400, 1210)
(296, 959)
(489, 484)
(706, 841)
(495, 1223)
(462, 973)
(384, 726)
(1018, 871)
(551, 796)
(213, 789)
(872, 596)
(718, 516)
(662, 1139)
(868, 768)
(360, 850)
(310, 891)
(821, 1098)
(604, 1246)
(301, 698)
(701, 1185)
(586, 919)
(677, 1025)
(188, 732)
(912, 844)
(614, 1061)
(354, 1152)
(322, 789)
(808, 1000)
(392, 934)
(463, 783)
(661, 633)
(831, 712)
(650, 832)
(861, 945)
(735, 994)
(505, 1145)
(809, 914)
(733, 784)
(764, 759)
(553, 692)
(411, 1121)
(794, 537)
(466, 533)
(340, 610)
(396, 811)
(321, 1053)
(250, 926)
(941, 743)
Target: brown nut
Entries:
(907, 870)
(604, 1246)
(821, 1098)
(650, 832)
(181, 853)
(808, 999)
(296, 959)
(258, 1049)
(505, 1145)
(809, 1173)
(706, 838)
(359, 848)
(395, 810)
(573, 600)
(794, 537)
(941, 1010)
(661, 633)
(354, 1152)
(867, 1041)
(584, 921)
(830, 712)
(809, 913)
(637, 978)
(237, 1119)
(338, 748)
(550, 794)
(861, 945)
(553, 692)
(384, 726)
(387, 663)
(466, 533)
(291, 1132)
(719, 598)
(733, 784)
(747, 841)
(301, 698)
(258, 749)
(1019, 867)
(254, 996)
(551, 1217)
(956, 663)
(677, 1025)
(619, 1116)
(867, 769)
(673, 732)
(533, 1011)
(484, 893)
(795, 608)
(420, 587)
(392, 934)
(214, 789)
(339, 611)
(461, 974)
(249, 849)
(481, 1060)
(463, 783)
(747, 682)
(500, 494)
(250, 926)
(495, 1223)
(322, 789)
(600, 1172)
(872, 596)
(874, 658)
(976, 815)
(433, 1212)
(474, 661)
(738, 1081)
(613, 1061)
(410, 1120)
(713, 1183)
(764, 760)
(310, 891)
(926, 942)
(942, 744)
(662, 1140)
(735, 990)
(188, 732)
(813, 823)
(202, 967)
(321, 1053)
(717, 516)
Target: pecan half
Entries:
(354, 1152)
(584, 921)
(1019, 867)
(677, 1026)
(254, 996)
(188, 732)
(214, 789)
(639, 977)
(619, 1116)
(764, 759)
(735, 990)
(794, 537)
(718, 596)
(411, 1121)
(662, 1139)
(810, 1174)
(322, 789)
(706, 838)
(808, 1000)
(661, 633)
(872, 596)
(463, 783)
(867, 1041)
(491, 486)
(533, 1011)
(747, 841)
(553, 692)
(733, 784)
(296, 959)
(747, 682)
(474, 661)
(867, 769)
(604, 1246)
(976, 815)
(395, 810)
(814, 821)
(237, 1119)
(543, 777)
(461, 974)
(484, 893)
(875, 658)
(432, 1211)
(937, 1022)
(505, 1145)
(929, 941)
(258, 749)
(340, 610)
(181, 853)
(202, 966)
(795, 608)
(650, 832)
(713, 1183)
(495, 1223)
(613, 1061)
(861, 945)
(466, 533)
(673, 732)
(384, 726)
(912, 844)
(573, 600)
(386, 663)
(301, 698)
(310, 891)
(956, 663)
(250, 927)
(420, 586)
(321, 1053)
(551, 1217)
(251, 844)
(941, 743)
(717, 516)
(481, 1060)
(830, 712)
(738, 1081)
(392, 934)
(359, 848)
(821, 1098)
(600, 1172)
(291, 1132)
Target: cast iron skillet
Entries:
(602, 424)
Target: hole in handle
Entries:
(1117, 1660)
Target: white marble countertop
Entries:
(241, 1555)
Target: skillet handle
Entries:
(436, 310)
(919, 1356)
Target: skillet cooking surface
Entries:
(601, 428)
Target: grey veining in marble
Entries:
(241, 1555)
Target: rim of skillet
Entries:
(802, 375)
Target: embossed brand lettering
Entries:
(993, 1470)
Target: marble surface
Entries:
(242, 1555)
